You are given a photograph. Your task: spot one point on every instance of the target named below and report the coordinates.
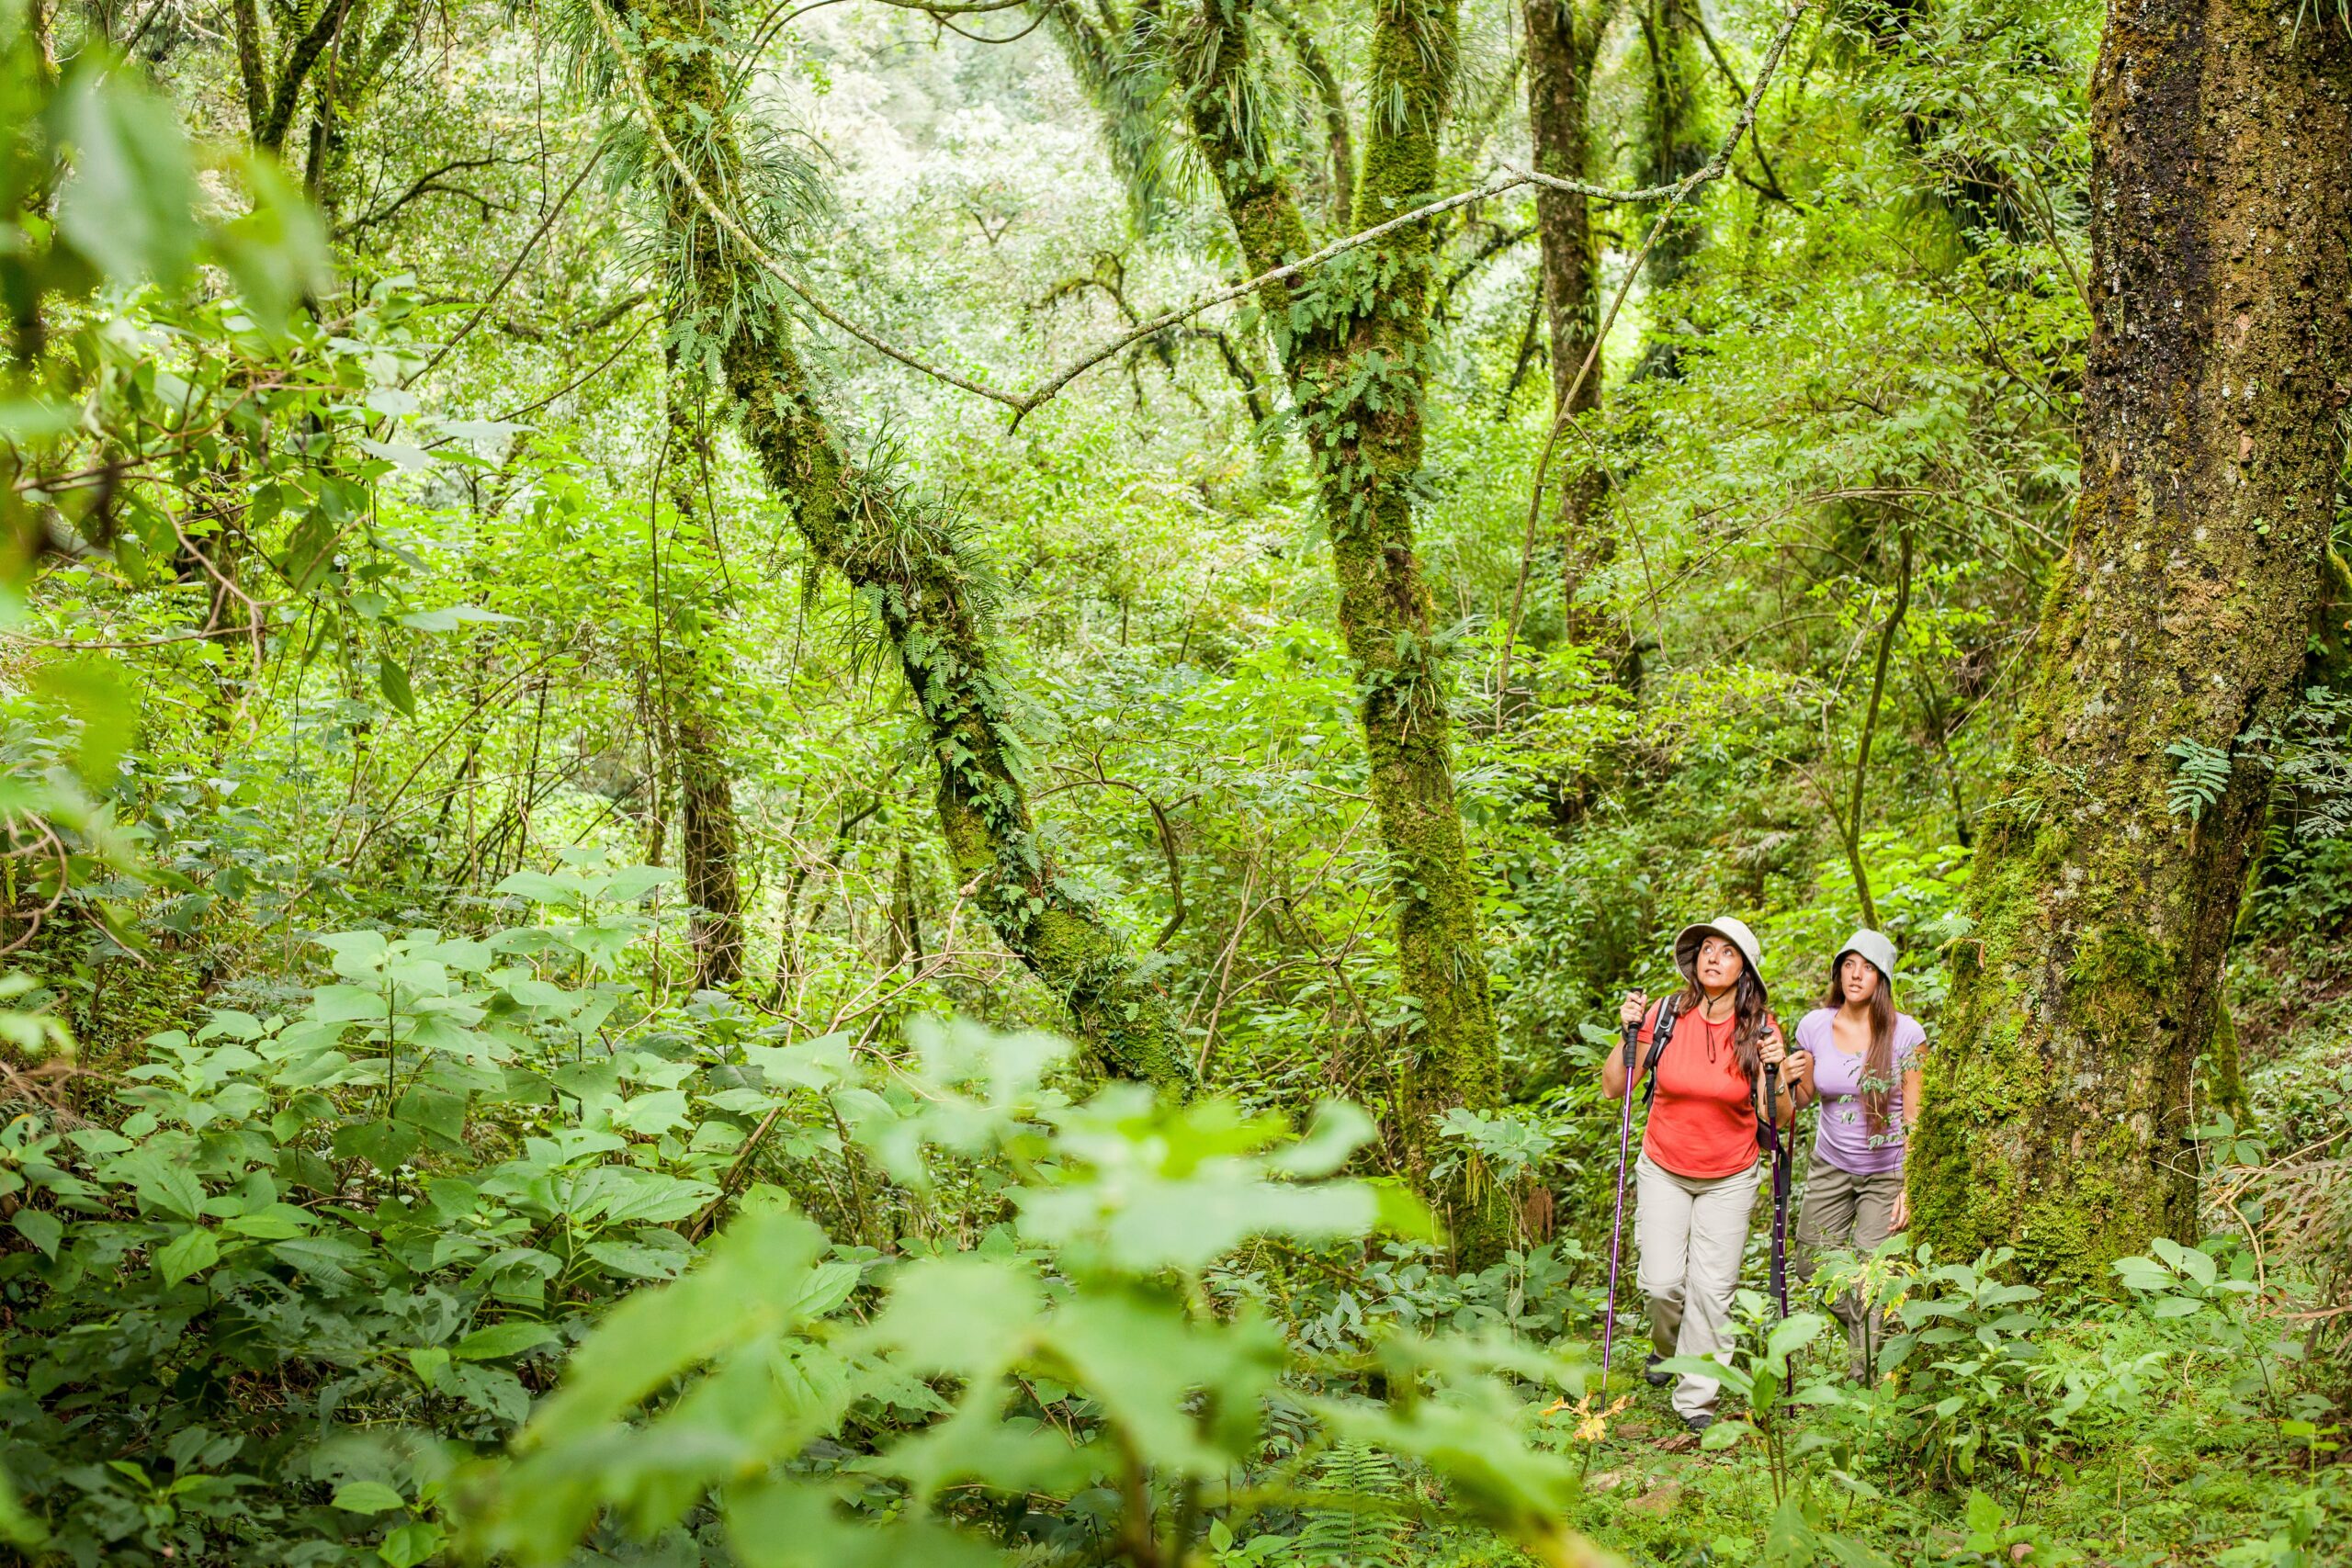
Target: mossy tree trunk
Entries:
(1355, 343)
(904, 559)
(690, 606)
(2058, 1102)
(1563, 45)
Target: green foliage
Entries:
(1756, 1370)
(1088, 1363)
(390, 1200)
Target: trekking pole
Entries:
(1617, 1222)
(1780, 1191)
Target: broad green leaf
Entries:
(779, 1524)
(501, 1340)
(541, 888)
(450, 617)
(624, 1195)
(1723, 1433)
(413, 1543)
(658, 1331)
(637, 1261)
(103, 698)
(391, 677)
(130, 200)
(193, 1251)
(367, 1498)
(40, 1227)
(435, 1110)
(406, 456)
(652, 1114)
(963, 1314)
(161, 1182)
(820, 1062)
(386, 1145)
(276, 250)
(1732, 1377)
(328, 1258)
(631, 882)
(1791, 1333)
(1337, 1130)
(530, 993)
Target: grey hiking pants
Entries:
(1845, 1213)
(1691, 1234)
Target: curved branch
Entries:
(940, 18)
(1509, 177)
(425, 183)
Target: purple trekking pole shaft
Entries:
(1780, 1193)
(1617, 1223)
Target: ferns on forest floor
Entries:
(1349, 1519)
(1355, 1526)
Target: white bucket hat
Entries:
(1875, 949)
(1687, 940)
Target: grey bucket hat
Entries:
(1687, 940)
(1874, 947)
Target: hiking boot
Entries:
(1657, 1379)
(1698, 1424)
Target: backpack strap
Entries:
(1662, 1031)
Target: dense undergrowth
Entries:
(288, 1285)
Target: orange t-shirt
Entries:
(1702, 1121)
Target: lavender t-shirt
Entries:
(1842, 1134)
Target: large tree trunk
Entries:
(1563, 43)
(906, 559)
(1354, 346)
(2058, 1101)
(688, 605)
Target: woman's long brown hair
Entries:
(1747, 1007)
(1877, 1063)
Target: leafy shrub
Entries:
(1075, 1379)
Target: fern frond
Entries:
(1354, 1522)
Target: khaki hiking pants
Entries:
(1845, 1213)
(1690, 1234)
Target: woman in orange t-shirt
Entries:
(1695, 1184)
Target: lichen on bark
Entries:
(2058, 1109)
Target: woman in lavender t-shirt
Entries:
(1864, 1072)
